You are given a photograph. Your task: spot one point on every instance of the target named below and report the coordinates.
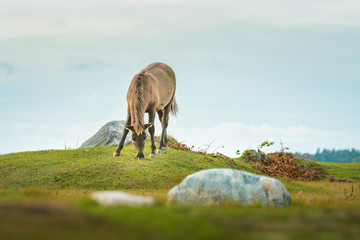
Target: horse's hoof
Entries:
(116, 154)
(152, 155)
(159, 151)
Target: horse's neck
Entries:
(138, 112)
(137, 118)
(138, 102)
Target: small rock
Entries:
(350, 194)
(335, 179)
(215, 186)
(117, 198)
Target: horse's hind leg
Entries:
(152, 132)
(161, 116)
(164, 118)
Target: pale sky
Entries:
(247, 70)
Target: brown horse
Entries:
(151, 90)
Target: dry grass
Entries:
(333, 194)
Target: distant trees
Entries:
(337, 156)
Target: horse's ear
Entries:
(129, 127)
(147, 126)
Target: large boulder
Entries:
(109, 135)
(215, 186)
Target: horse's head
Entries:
(138, 136)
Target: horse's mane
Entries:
(139, 106)
(139, 100)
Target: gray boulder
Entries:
(214, 186)
(108, 135)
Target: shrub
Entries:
(284, 164)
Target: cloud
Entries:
(25, 136)
(95, 96)
(3, 100)
(58, 24)
(234, 136)
(7, 68)
(256, 45)
(115, 17)
(89, 65)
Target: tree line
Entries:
(336, 156)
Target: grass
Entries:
(45, 195)
(350, 171)
(96, 169)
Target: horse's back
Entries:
(162, 80)
(162, 76)
(161, 71)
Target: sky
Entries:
(247, 70)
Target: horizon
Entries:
(247, 71)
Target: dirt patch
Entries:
(47, 221)
(31, 209)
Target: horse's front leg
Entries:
(152, 133)
(125, 133)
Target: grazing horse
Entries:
(151, 91)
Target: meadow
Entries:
(46, 195)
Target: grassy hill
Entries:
(45, 195)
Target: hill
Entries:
(96, 168)
(45, 195)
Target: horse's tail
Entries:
(174, 107)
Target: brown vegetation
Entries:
(173, 143)
(285, 165)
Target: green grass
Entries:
(96, 169)
(45, 195)
(350, 171)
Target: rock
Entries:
(335, 179)
(350, 194)
(109, 135)
(214, 186)
(117, 198)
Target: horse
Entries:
(151, 91)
